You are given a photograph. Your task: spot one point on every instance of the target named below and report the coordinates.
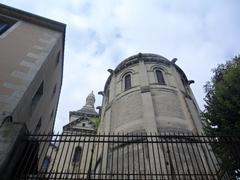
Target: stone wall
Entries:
(147, 104)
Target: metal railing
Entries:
(129, 156)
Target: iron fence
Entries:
(129, 156)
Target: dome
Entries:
(144, 56)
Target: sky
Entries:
(101, 33)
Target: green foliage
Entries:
(222, 109)
(96, 121)
(222, 112)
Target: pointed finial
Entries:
(90, 100)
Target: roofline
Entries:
(146, 57)
(33, 18)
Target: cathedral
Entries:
(147, 127)
(145, 93)
(84, 120)
(149, 93)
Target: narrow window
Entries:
(46, 163)
(38, 127)
(127, 82)
(83, 124)
(58, 58)
(77, 155)
(160, 78)
(37, 96)
(5, 24)
(51, 116)
(54, 90)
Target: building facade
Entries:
(31, 70)
(73, 154)
(149, 93)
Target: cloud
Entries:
(101, 33)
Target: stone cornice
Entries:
(146, 57)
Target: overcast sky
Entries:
(102, 33)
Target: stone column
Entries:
(147, 109)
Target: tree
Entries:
(222, 114)
(222, 109)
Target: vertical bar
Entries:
(117, 153)
(91, 158)
(85, 165)
(169, 145)
(148, 152)
(143, 156)
(200, 155)
(106, 171)
(159, 156)
(184, 155)
(122, 155)
(56, 140)
(138, 157)
(73, 174)
(34, 155)
(207, 160)
(44, 173)
(70, 158)
(28, 146)
(64, 142)
(66, 154)
(128, 164)
(163, 136)
(97, 150)
(195, 157)
(154, 158)
(87, 141)
(100, 170)
(112, 164)
(190, 156)
(174, 156)
(133, 170)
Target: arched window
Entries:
(127, 82)
(77, 155)
(160, 78)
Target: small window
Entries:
(58, 58)
(77, 155)
(54, 90)
(5, 24)
(51, 116)
(83, 124)
(127, 82)
(160, 78)
(46, 163)
(37, 96)
(38, 127)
